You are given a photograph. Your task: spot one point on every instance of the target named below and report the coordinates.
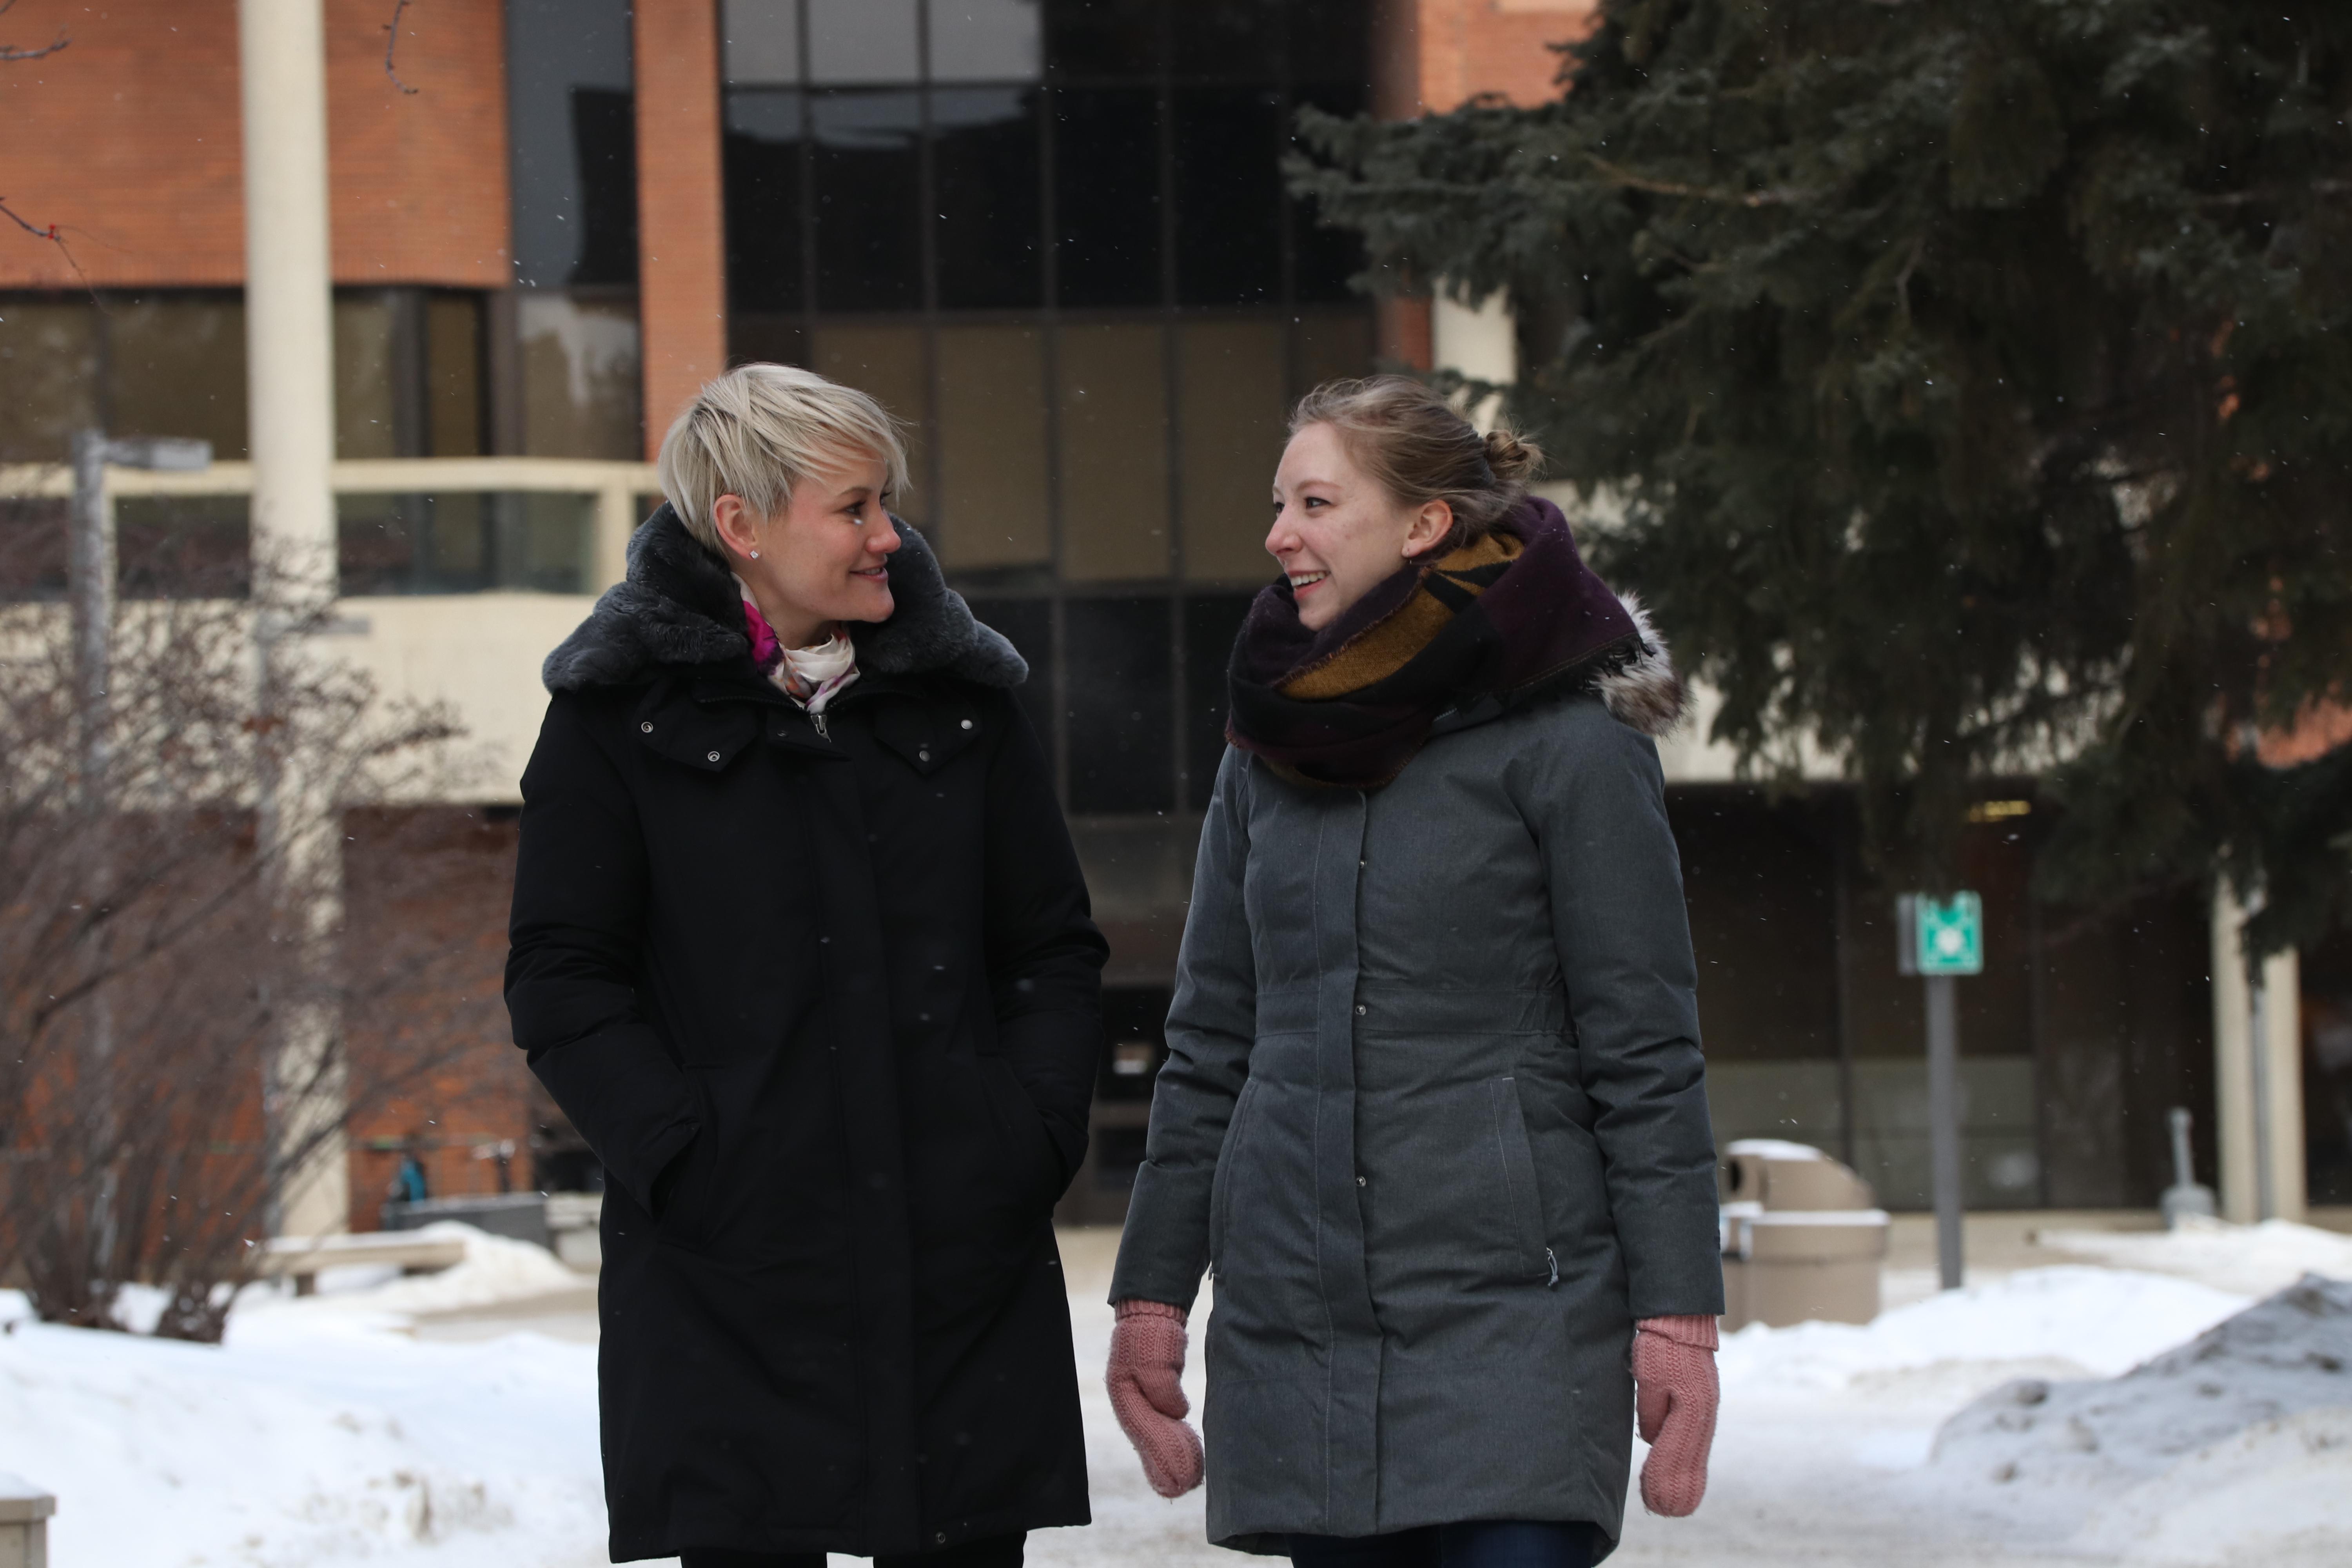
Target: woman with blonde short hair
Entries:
(1433, 1115)
(801, 947)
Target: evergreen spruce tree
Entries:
(1975, 379)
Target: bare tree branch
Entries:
(391, 38)
(51, 234)
(1629, 179)
(10, 52)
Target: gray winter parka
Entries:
(1433, 1118)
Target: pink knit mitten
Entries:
(1674, 1397)
(1147, 1361)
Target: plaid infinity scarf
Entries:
(1351, 705)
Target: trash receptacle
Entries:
(1802, 1237)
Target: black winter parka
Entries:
(825, 1001)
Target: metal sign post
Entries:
(1937, 941)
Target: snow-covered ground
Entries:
(449, 1420)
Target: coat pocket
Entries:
(1033, 1161)
(1530, 1255)
(1221, 1186)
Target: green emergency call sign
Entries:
(1942, 936)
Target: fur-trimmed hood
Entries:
(1643, 690)
(679, 606)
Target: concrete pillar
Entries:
(681, 228)
(1478, 341)
(2257, 1077)
(24, 1511)
(290, 349)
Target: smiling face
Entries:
(822, 559)
(1338, 532)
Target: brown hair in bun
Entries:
(1418, 449)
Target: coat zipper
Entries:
(1555, 1269)
(818, 719)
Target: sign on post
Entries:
(1937, 940)
(1941, 936)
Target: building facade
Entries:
(1053, 236)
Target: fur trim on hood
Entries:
(1643, 690)
(679, 607)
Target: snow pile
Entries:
(2182, 1459)
(313, 1440)
(2278, 1493)
(2071, 1321)
(320, 1432)
(497, 1269)
(2253, 1259)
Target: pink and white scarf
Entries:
(810, 677)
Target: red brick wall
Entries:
(681, 245)
(128, 139)
(1435, 55)
(428, 892)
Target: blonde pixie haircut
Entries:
(760, 429)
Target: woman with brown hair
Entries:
(1432, 1116)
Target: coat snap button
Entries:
(648, 726)
(922, 756)
(1361, 1009)
(966, 724)
(941, 1538)
(713, 757)
(1359, 1181)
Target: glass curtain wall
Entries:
(1054, 238)
(574, 388)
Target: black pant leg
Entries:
(996, 1551)
(1515, 1543)
(719, 1557)
(1405, 1548)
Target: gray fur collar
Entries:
(1643, 690)
(678, 604)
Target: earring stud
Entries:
(755, 555)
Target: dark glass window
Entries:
(869, 253)
(1028, 626)
(1212, 622)
(572, 136)
(871, 41)
(1107, 196)
(1115, 38)
(760, 42)
(988, 195)
(1228, 40)
(1117, 667)
(1328, 41)
(1228, 196)
(985, 40)
(764, 175)
(604, 148)
(183, 547)
(1327, 258)
(464, 544)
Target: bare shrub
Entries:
(159, 934)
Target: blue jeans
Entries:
(1485, 1543)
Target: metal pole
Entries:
(90, 585)
(89, 576)
(1944, 1123)
(2265, 1177)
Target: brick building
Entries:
(1053, 236)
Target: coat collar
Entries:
(679, 608)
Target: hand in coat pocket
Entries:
(1147, 1393)
(1674, 1396)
